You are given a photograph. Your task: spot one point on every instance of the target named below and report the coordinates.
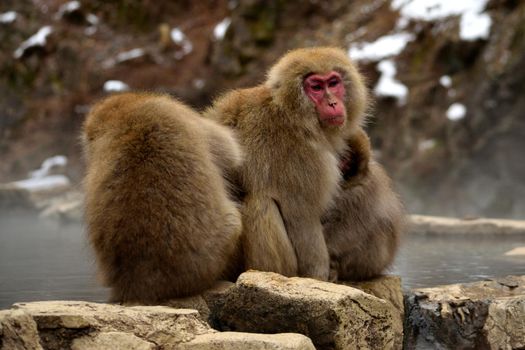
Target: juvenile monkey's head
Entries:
(319, 81)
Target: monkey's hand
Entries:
(354, 162)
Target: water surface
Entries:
(45, 260)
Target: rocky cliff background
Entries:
(449, 115)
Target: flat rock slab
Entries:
(333, 316)
(441, 225)
(80, 325)
(480, 315)
(249, 341)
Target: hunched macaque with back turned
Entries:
(158, 211)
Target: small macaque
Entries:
(292, 129)
(158, 211)
(364, 226)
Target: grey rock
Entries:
(18, 331)
(440, 225)
(333, 316)
(480, 315)
(249, 341)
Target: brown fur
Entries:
(364, 226)
(291, 171)
(158, 212)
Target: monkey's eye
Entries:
(316, 87)
(333, 83)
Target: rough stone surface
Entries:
(333, 316)
(112, 341)
(91, 326)
(18, 331)
(389, 289)
(480, 315)
(518, 251)
(440, 225)
(249, 341)
(67, 208)
(60, 323)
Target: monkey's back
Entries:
(157, 211)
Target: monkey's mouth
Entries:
(336, 120)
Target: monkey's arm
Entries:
(354, 162)
(265, 242)
(363, 228)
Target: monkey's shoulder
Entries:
(239, 105)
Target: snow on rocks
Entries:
(115, 85)
(42, 179)
(473, 23)
(456, 111)
(220, 29)
(179, 38)
(37, 40)
(8, 17)
(386, 46)
(388, 85)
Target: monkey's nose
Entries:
(332, 103)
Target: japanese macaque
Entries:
(158, 210)
(364, 226)
(293, 129)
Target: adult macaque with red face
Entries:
(327, 92)
(293, 129)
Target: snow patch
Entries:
(473, 24)
(8, 17)
(389, 45)
(456, 111)
(445, 81)
(180, 39)
(220, 29)
(115, 85)
(47, 165)
(388, 85)
(92, 19)
(68, 7)
(129, 55)
(41, 179)
(39, 39)
(426, 145)
(46, 183)
(431, 10)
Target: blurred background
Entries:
(447, 77)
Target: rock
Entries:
(87, 324)
(388, 288)
(333, 316)
(249, 341)
(13, 197)
(66, 208)
(112, 341)
(440, 225)
(18, 331)
(480, 315)
(195, 302)
(519, 251)
(80, 325)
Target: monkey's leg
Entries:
(265, 243)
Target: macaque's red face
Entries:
(327, 92)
